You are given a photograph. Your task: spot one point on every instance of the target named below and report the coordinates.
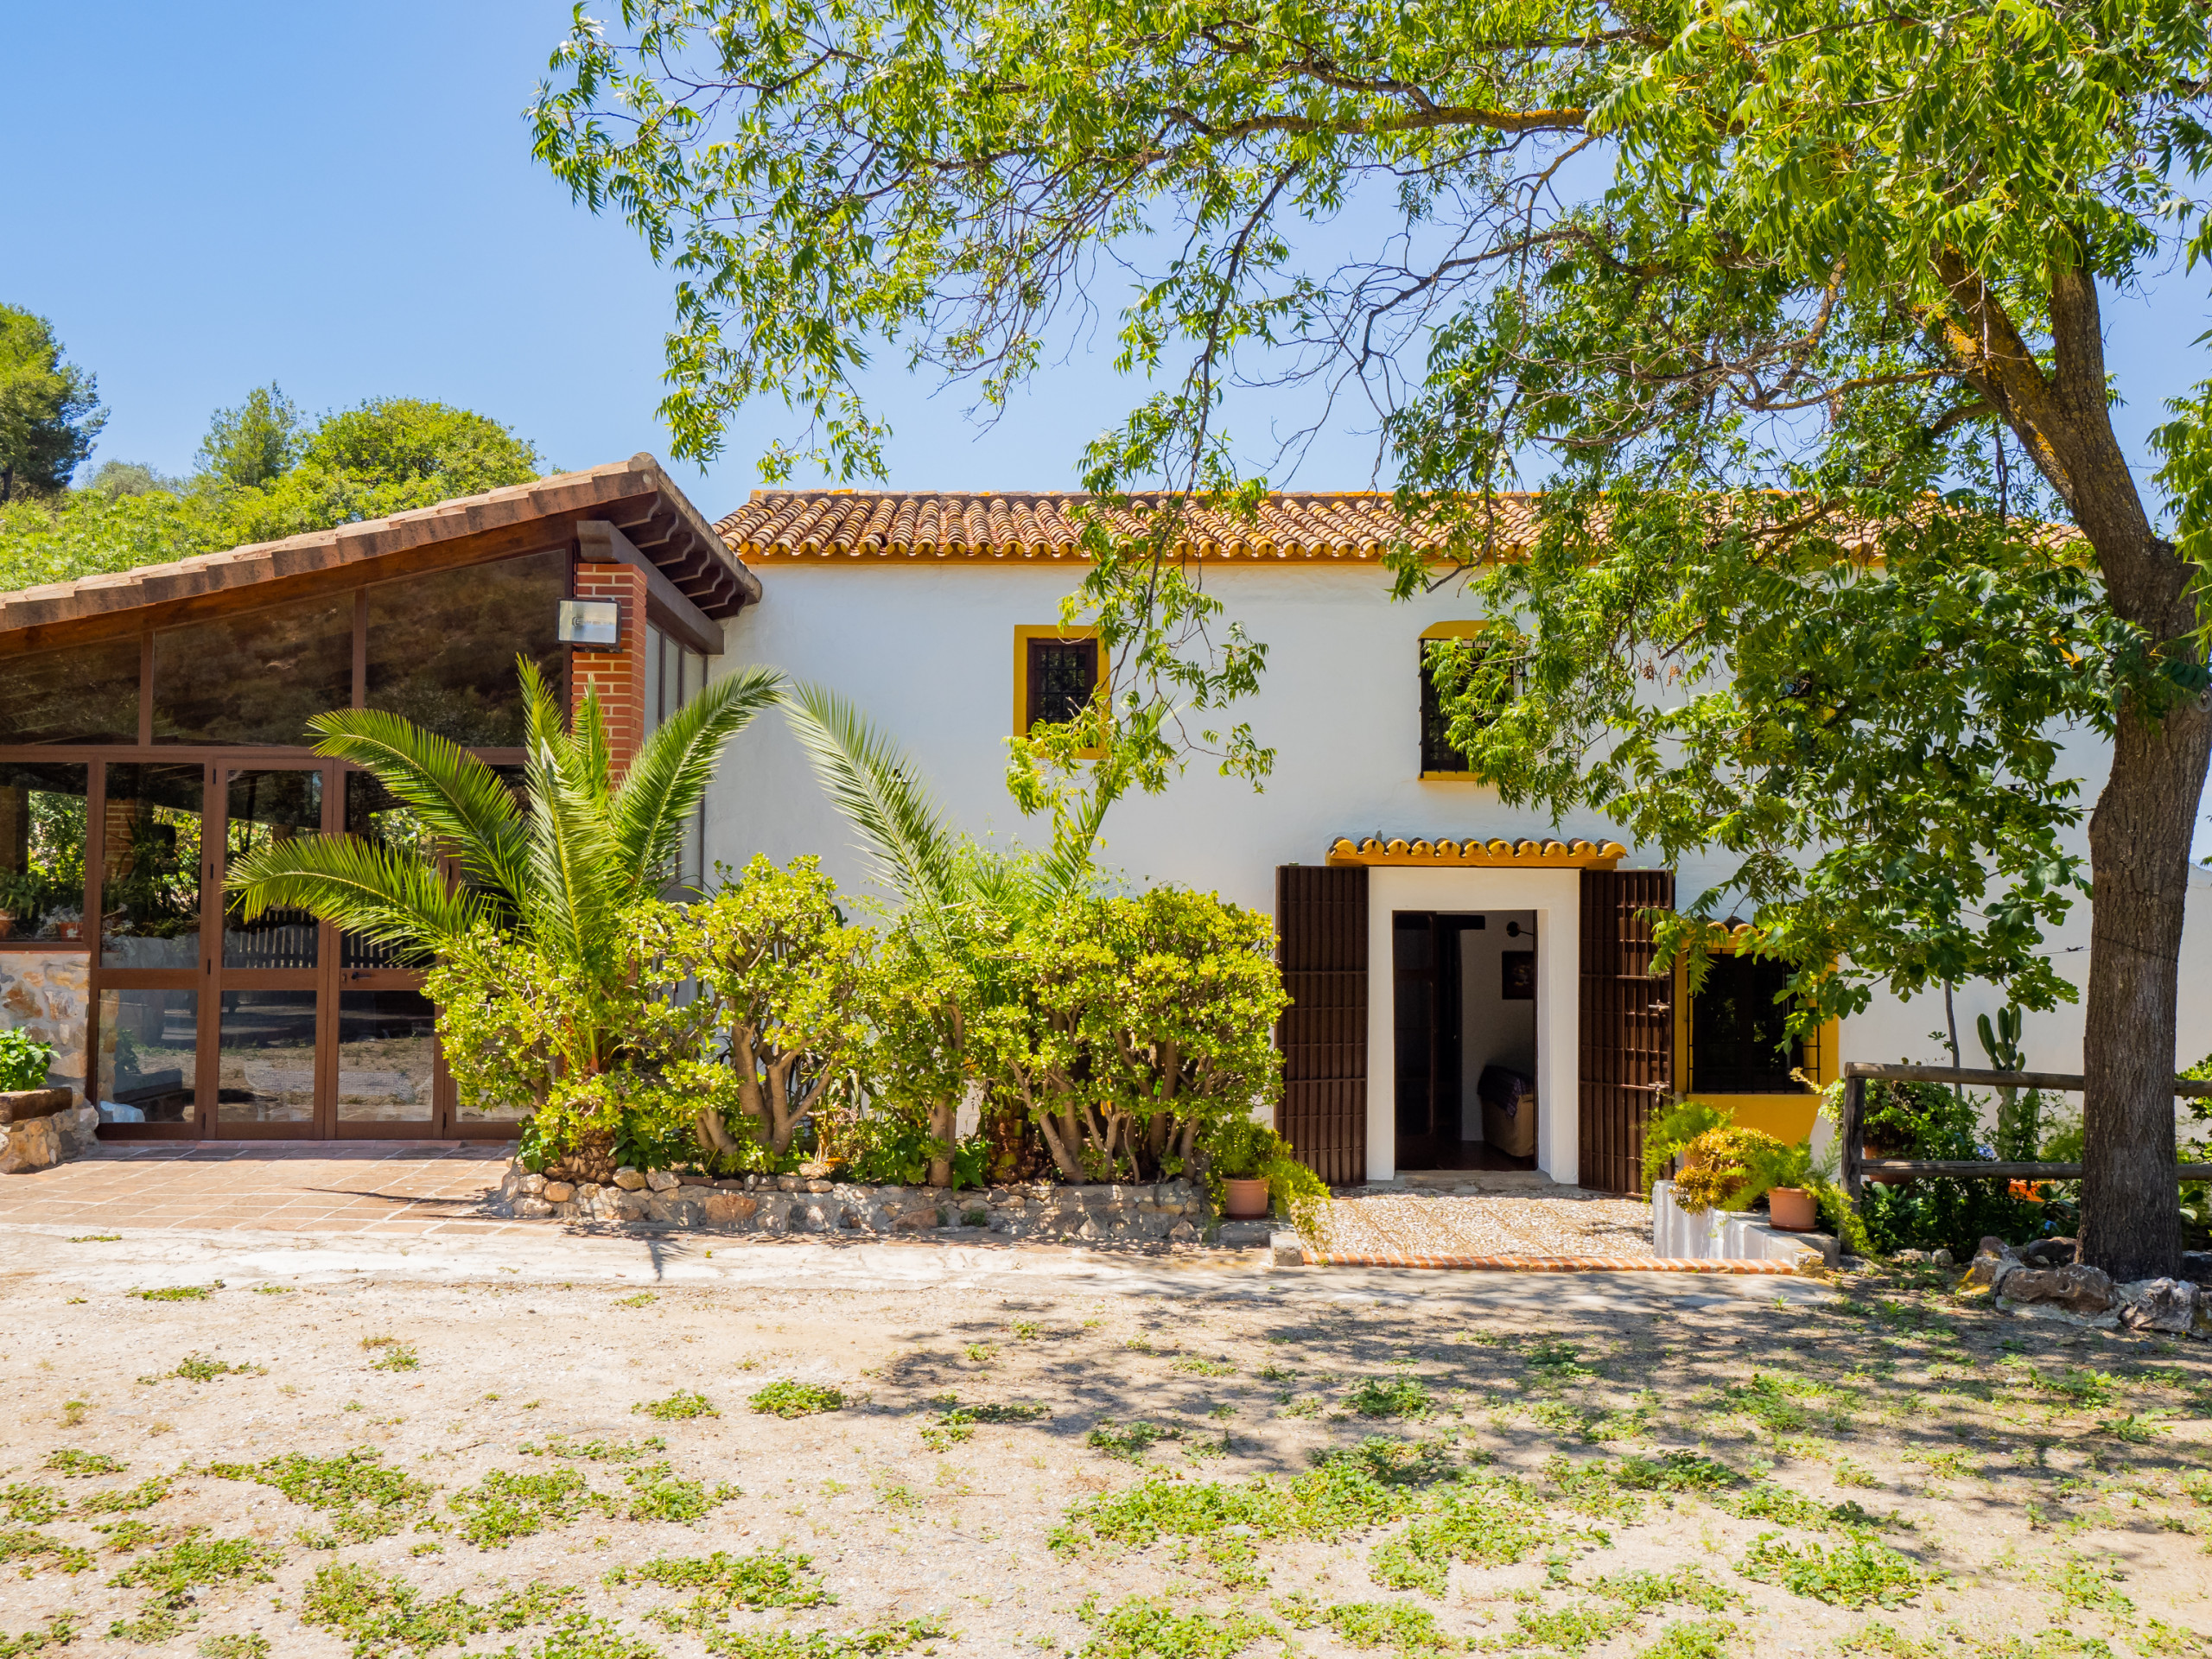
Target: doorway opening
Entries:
(1466, 1038)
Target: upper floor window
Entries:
(1739, 1037)
(1439, 757)
(1056, 674)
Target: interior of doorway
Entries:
(1466, 1038)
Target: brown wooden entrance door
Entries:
(1626, 1064)
(1321, 932)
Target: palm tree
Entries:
(559, 875)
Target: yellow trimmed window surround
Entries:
(1056, 670)
(1726, 1064)
(1440, 761)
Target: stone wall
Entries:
(47, 994)
(40, 1127)
(1169, 1210)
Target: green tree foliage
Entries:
(533, 943)
(253, 445)
(49, 410)
(1792, 305)
(387, 455)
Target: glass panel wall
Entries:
(149, 1048)
(256, 678)
(442, 647)
(262, 809)
(42, 850)
(81, 694)
(385, 1048)
(374, 814)
(149, 867)
(265, 1062)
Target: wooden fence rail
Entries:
(1851, 1132)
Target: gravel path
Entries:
(1564, 1221)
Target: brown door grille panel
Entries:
(1626, 1065)
(1321, 933)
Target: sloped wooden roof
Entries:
(1327, 526)
(635, 495)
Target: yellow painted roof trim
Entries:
(1480, 855)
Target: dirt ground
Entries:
(467, 1453)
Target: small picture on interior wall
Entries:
(1520, 975)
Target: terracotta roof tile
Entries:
(1290, 526)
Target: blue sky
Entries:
(340, 197)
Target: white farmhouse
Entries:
(1434, 941)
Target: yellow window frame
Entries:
(1023, 633)
(1788, 1118)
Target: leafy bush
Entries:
(1140, 1022)
(23, 1060)
(1927, 1120)
(1666, 1135)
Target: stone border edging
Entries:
(1552, 1264)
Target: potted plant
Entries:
(1674, 1132)
(1241, 1153)
(67, 922)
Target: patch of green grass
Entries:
(785, 1398)
(30, 1505)
(381, 1616)
(1557, 1362)
(1142, 1628)
(241, 1644)
(1197, 1365)
(1643, 1591)
(1395, 1396)
(2086, 1389)
(1399, 1626)
(1026, 1330)
(956, 1423)
(560, 1446)
(174, 1294)
(1857, 1573)
(97, 1239)
(392, 1354)
(658, 1493)
(503, 1507)
(124, 1537)
(2134, 1429)
(981, 1353)
(722, 1583)
(272, 1290)
(1495, 1523)
(1574, 1629)
(1129, 1441)
(2089, 1586)
(173, 1573)
(680, 1407)
(124, 1499)
(1773, 1402)
(821, 1645)
(1767, 1502)
(1691, 1638)
(59, 1632)
(642, 1298)
(360, 1499)
(79, 1466)
(205, 1368)
(581, 1635)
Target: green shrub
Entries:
(23, 1060)
(1926, 1119)
(1674, 1128)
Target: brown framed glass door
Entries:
(150, 861)
(266, 1042)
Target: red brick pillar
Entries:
(617, 673)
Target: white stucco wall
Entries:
(926, 649)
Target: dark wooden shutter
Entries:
(1628, 1025)
(1321, 930)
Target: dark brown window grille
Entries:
(1063, 674)
(1438, 753)
(1739, 1041)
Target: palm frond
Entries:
(670, 777)
(570, 847)
(1067, 868)
(458, 798)
(879, 792)
(386, 894)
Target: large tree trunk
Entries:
(2139, 853)
(2140, 830)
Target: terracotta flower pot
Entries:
(1247, 1199)
(1791, 1210)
